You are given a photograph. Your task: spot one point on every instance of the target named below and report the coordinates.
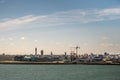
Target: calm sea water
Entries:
(59, 72)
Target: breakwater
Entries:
(57, 63)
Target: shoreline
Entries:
(55, 63)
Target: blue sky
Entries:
(58, 25)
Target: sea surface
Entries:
(59, 72)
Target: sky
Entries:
(59, 26)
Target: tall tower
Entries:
(51, 53)
(77, 50)
(42, 53)
(35, 51)
(65, 53)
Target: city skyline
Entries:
(53, 25)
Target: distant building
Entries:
(19, 58)
(3, 54)
(35, 51)
(106, 54)
(51, 53)
(42, 52)
(6, 57)
(65, 53)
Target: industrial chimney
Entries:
(35, 51)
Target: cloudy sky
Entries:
(59, 25)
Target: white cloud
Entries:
(105, 38)
(107, 12)
(58, 43)
(107, 44)
(36, 40)
(117, 45)
(65, 17)
(81, 16)
(85, 44)
(11, 44)
(2, 39)
(22, 38)
(10, 38)
(19, 21)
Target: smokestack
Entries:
(42, 53)
(35, 51)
